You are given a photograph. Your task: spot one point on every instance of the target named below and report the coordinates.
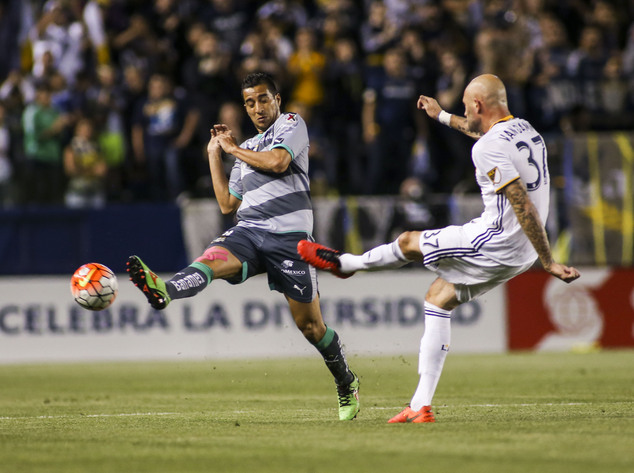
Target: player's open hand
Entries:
(430, 105)
(566, 273)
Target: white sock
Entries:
(434, 346)
(387, 256)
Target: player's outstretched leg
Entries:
(152, 287)
(321, 257)
(348, 395)
(410, 416)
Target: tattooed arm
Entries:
(530, 222)
(433, 109)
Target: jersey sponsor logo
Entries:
(291, 117)
(494, 175)
(286, 266)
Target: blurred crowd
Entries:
(112, 100)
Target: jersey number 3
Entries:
(542, 173)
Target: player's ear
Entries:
(278, 99)
(478, 106)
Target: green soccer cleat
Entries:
(348, 395)
(153, 287)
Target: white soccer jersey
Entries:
(510, 150)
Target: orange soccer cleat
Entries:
(410, 416)
(321, 257)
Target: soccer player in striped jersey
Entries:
(512, 171)
(268, 190)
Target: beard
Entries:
(474, 124)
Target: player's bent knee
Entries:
(213, 253)
(311, 333)
(409, 243)
(311, 330)
(442, 294)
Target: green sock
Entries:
(330, 348)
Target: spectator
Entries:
(255, 55)
(15, 93)
(137, 44)
(45, 67)
(550, 92)
(279, 45)
(586, 64)
(390, 125)
(613, 27)
(588, 59)
(43, 127)
(163, 126)
(206, 75)
(412, 211)
(438, 28)
(63, 99)
(61, 34)
(169, 27)
(306, 67)
(106, 103)
(422, 63)
(289, 13)
(449, 154)
(86, 169)
(616, 98)
(378, 33)
(230, 19)
(134, 93)
(345, 82)
(337, 19)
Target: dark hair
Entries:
(42, 85)
(257, 78)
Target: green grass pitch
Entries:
(554, 412)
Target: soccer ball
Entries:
(94, 286)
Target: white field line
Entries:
(375, 408)
(130, 414)
(532, 404)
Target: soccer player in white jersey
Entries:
(512, 171)
(268, 190)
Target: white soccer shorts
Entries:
(449, 253)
